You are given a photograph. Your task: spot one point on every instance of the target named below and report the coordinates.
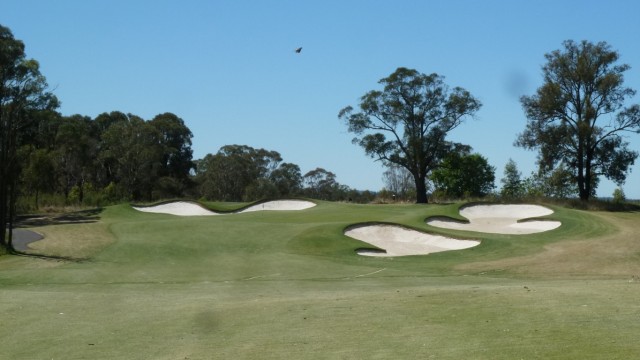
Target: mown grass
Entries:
(272, 285)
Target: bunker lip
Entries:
(396, 240)
(511, 219)
(186, 208)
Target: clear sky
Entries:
(228, 68)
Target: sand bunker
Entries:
(281, 205)
(179, 208)
(400, 241)
(185, 208)
(500, 219)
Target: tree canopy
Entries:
(407, 122)
(243, 173)
(512, 186)
(23, 92)
(463, 174)
(577, 118)
(228, 174)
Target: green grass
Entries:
(273, 285)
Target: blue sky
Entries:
(228, 68)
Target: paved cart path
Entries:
(23, 237)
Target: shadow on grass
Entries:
(75, 217)
(46, 257)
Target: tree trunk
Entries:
(4, 200)
(584, 194)
(12, 213)
(9, 241)
(421, 190)
(3, 213)
(81, 192)
(587, 176)
(582, 189)
(584, 181)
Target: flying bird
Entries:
(298, 50)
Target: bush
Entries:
(618, 196)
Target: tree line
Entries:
(114, 157)
(243, 173)
(576, 121)
(48, 158)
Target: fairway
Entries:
(289, 284)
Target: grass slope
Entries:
(272, 285)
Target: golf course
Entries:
(119, 283)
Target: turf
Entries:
(272, 285)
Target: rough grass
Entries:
(272, 285)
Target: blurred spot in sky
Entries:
(517, 84)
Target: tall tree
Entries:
(176, 164)
(74, 154)
(578, 116)
(23, 92)
(39, 173)
(175, 137)
(415, 111)
(106, 165)
(287, 178)
(134, 149)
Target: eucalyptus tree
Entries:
(175, 137)
(287, 179)
(177, 159)
(236, 172)
(407, 122)
(23, 93)
(134, 150)
(74, 154)
(578, 117)
(105, 165)
(38, 175)
(321, 184)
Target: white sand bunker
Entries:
(500, 219)
(185, 208)
(400, 241)
(279, 205)
(180, 208)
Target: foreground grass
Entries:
(275, 285)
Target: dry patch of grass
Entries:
(613, 254)
(76, 234)
(78, 241)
